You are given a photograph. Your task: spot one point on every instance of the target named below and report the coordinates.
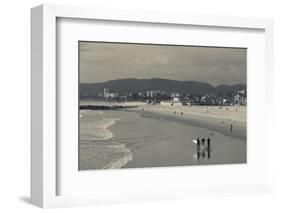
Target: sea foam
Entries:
(94, 126)
(97, 149)
(97, 130)
(104, 155)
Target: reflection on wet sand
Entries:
(138, 140)
(204, 154)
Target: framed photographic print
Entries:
(149, 106)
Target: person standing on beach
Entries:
(203, 141)
(203, 154)
(231, 127)
(209, 143)
(198, 144)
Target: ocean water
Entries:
(122, 139)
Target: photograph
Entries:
(161, 105)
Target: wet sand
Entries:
(210, 117)
(159, 142)
(156, 136)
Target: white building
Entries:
(105, 92)
(175, 94)
(151, 93)
(112, 95)
(174, 102)
(176, 99)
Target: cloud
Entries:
(108, 61)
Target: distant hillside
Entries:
(229, 88)
(139, 85)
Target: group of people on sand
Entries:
(202, 142)
(202, 146)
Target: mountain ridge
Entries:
(140, 85)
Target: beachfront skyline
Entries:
(100, 62)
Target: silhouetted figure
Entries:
(231, 127)
(198, 155)
(209, 143)
(198, 144)
(203, 141)
(203, 154)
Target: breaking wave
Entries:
(98, 150)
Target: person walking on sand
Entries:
(231, 127)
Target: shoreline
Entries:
(97, 150)
(167, 145)
(218, 124)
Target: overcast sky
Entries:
(101, 62)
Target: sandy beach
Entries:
(155, 136)
(151, 106)
(216, 118)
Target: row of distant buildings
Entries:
(174, 98)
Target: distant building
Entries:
(112, 95)
(242, 92)
(175, 94)
(240, 98)
(176, 99)
(105, 92)
(151, 93)
(186, 103)
(237, 97)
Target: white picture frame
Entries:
(44, 155)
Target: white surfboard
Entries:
(194, 141)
